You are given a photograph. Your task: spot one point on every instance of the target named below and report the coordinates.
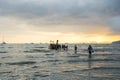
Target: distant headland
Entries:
(116, 42)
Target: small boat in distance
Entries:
(3, 42)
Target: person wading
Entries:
(90, 50)
(75, 48)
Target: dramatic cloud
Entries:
(84, 16)
(115, 24)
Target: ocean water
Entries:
(37, 62)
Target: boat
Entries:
(54, 46)
(3, 42)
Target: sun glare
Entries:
(99, 39)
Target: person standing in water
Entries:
(90, 50)
(75, 48)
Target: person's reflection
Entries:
(89, 63)
(89, 68)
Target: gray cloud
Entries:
(63, 12)
(77, 8)
(115, 24)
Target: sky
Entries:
(69, 21)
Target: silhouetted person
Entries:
(57, 45)
(90, 50)
(63, 46)
(75, 48)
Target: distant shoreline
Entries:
(116, 42)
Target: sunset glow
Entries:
(75, 21)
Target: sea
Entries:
(37, 62)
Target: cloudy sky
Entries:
(73, 21)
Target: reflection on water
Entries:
(89, 63)
(37, 62)
(89, 67)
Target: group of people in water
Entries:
(58, 46)
(65, 47)
(90, 50)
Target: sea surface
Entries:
(37, 62)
